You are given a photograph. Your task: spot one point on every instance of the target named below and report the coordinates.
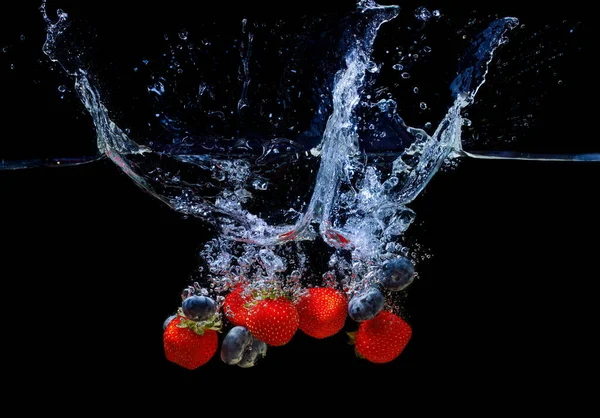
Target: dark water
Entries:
(92, 265)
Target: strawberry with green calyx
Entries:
(322, 311)
(272, 318)
(381, 339)
(191, 344)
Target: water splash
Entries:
(357, 201)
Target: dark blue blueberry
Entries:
(198, 308)
(254, 354)
(237, 341)
(398, 274)
(366, 306)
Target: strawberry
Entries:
(383, 338)
(322, 311)
(235, 306)
(188, 343)
(273, 320)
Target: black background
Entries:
(91, 265)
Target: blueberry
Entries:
(253, 355)
(169, 319)
(398, 274)
(235, 344)
(366, 306)
(198, 308)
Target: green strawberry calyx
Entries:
(351, 337)
(214, 323)
(266, 294)
(352, 341)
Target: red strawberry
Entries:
(273, 321)
(383, 338)
(187, 347)
(322, 311)
(235, 306)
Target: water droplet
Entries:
(416, 90)
(423, 105)
(62, 88)
(372, 67)
(398, 67)
(183, 34)
(158, 88)
(428, 125)
(405, 75)
(22, 37)
(421, 13)
(260, 185)
(436, 13)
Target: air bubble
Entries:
(372, 67)
(260, 185)
(421, 13)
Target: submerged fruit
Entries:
(235, 307)
(398, 274)
(235, 344)
(187, 347)
(322, 311)
(366, 306)
(274, 321)
(383, 338)
(198, 308)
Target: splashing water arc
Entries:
(345, 175)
